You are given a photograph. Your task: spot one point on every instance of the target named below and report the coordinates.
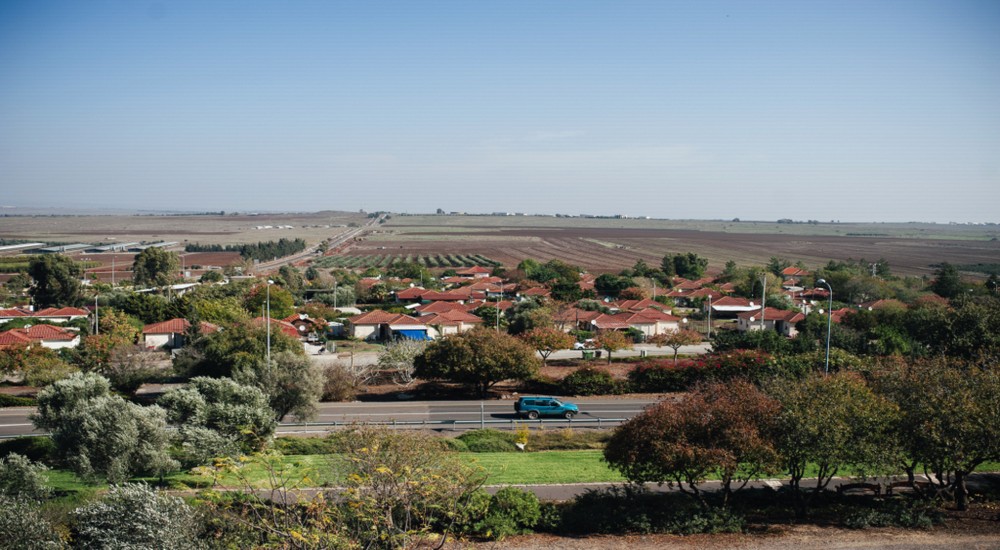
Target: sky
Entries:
(828, 110)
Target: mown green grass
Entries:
(502, 468)
(549, 467)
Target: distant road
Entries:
(308, 253)
(439, 415)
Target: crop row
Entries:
(386, 260)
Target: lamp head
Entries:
(821, 281)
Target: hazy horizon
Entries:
(855, 111)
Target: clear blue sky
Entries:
(849, 110)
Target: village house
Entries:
(379, 325)
(172, 333)
(47, 336)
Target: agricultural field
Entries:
(204, 229)
(608, 245)
(364, 261)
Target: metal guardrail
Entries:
(511, 423)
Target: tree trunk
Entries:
(961, 492)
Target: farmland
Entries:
(604, 245)
(597, 244)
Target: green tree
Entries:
(133, 515)
(292, 384)
(57, 281)
(831, 423)
(949, 414)
(282, 303)
(219, 417)
(155, 266)
(479, 358)
(98, 434)
(947, 281)
(236, 346)
(725, 429)
(546, 340)
(612, 285)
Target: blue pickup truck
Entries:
(536, 406)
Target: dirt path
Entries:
(800, 537)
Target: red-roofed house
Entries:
(412, 294)
(650, 321)
(60, 315)
(305, 324)
(287, 328)
(382, 325)
(46, 336)
(476, 272)
(450, 322)
(15, 313)
(781, 320)
(171, 334)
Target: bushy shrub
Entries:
(469, 518)
(893, 513)
(23, 479)
(338, 385)
(488, 441)
(661, 376)
(622, 509)
(38, 449)
(512, 511)
(307, 445)
(24, 527)
(14, 401)
(590, 381)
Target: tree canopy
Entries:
(57, 280)
(480, 358)
(155, 266)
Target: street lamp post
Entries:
(709, 335)
(829, 323)
(268, 321)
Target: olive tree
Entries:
(219, 417)
(133, 515)
(155, 266)
(291, 383)
(98, 434)
(23, 526)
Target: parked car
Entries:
(535, 406)
(586, 344)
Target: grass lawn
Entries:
(544, 467)
(503, 468)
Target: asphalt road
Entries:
(438, 415)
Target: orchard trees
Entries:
(479, 358)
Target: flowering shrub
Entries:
(662, 375)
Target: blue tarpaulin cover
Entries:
(414, 334)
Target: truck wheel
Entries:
(569, 415)
(533, 415)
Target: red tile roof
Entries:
(474, 270)
(172, 326)
(284, 327)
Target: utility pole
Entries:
(709, 316)
(763, 300)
